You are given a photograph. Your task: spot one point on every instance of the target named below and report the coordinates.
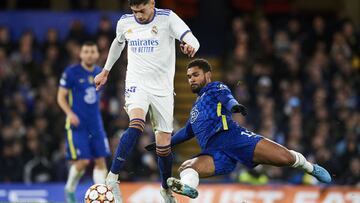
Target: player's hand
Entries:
(74, 119)
(239, 109)
(187, 49)
(150, 147)
(101, 78)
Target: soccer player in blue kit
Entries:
(85, 135)
(223, 142)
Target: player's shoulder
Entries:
(126, 18)
(72, 68)
(163, 12)
(218, 86)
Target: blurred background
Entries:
(294, 63)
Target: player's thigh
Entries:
(136, 101)
(203, 164)
(272, 153)
(81, 164)
(161, 113)
(77, 144)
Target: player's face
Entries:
(89, 55)
(197, 78)
(144, 12)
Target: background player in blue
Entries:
(85, 135)
(223, 142)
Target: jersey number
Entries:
(90, 95)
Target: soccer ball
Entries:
(99, 193)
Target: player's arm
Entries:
(115, 50)
(178, 29)
(180, 136)
(225, 97)
(64, 105)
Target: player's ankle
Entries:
(190, 177)
(111, 177)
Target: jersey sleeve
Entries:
(178, 28)
(182, 135)
(224, 95)
(120, 31)
(67, 80)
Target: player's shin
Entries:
(301, 162)
(165, 159)
(190, 177)
(127, 143)
(73, 178)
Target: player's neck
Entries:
(86, 67)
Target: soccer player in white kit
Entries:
(150, 34)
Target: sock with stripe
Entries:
(165, 159)
(127, 143)
(301, 162)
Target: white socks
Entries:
(301, 162)
(99, 175)
(112, 177)
(73, 178)
(190, 177)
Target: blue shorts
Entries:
(232, 146)
(86, 143)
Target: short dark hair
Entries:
(201, 63)
(138, 2)
(89, 43)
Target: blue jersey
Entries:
(83, 97)
(211, 112)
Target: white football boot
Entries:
(168, 196)
(115, 188)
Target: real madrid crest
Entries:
(154, 30)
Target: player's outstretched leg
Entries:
(271, 153)
(178, 187)
(126, 145)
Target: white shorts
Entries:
(161, 108)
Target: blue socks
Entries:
(127, 143)
(164, 163)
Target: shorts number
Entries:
(248, 133)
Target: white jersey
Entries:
(151, 50)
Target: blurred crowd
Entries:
(301, 81)
(301, 85)
(31, 122)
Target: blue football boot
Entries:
(178, 187)
(321, 174)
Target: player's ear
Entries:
(152, 3)
(208, 76)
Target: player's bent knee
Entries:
(185, 165)
(81, 164)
